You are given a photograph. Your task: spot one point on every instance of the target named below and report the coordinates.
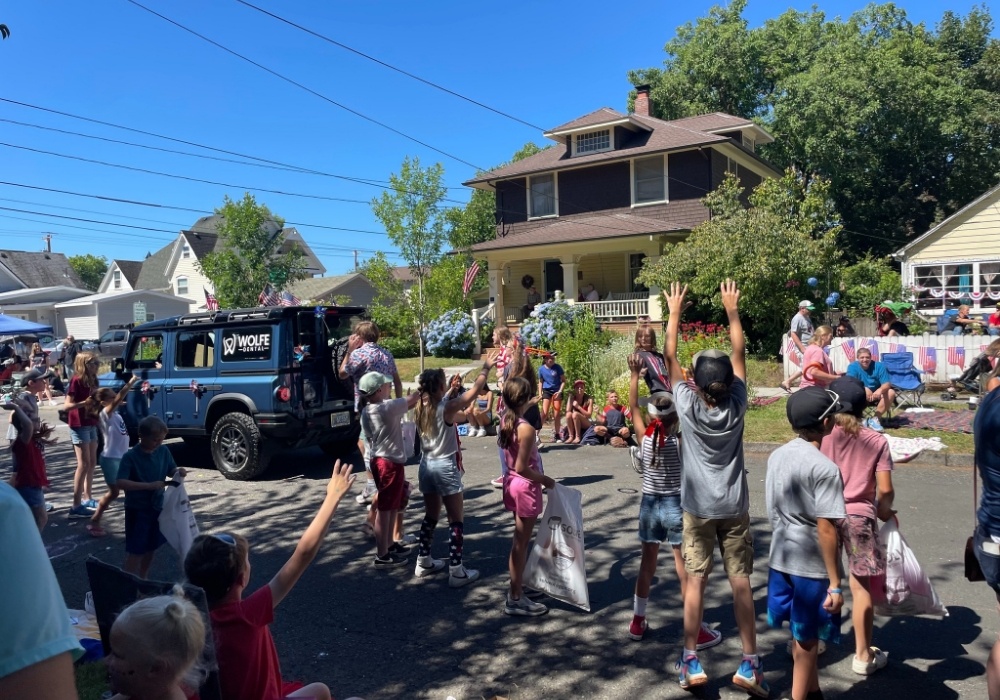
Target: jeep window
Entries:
(146, 353)
(252, 343)
(195, 349)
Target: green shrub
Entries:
(486, 329)
(575, 343)
(400, 346)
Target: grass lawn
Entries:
(764, 373)
(409, 367)
(92, 680)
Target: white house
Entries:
(89, 316)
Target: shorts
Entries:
(142, 531)
(661, 519)
(439, 475)
(522, 497)
(390, 480)
(109, 467)
(988, 562)
(552, 395)
(32, 495)
(864, 555)
(799, 601)
(534, 417)
(84, 434)
(735, 543)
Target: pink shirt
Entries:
(858, 458)
(510, 456)
(814, 355)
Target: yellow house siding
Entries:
(514, 293)
(608, 272)
(978, 237)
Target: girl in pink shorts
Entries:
(522, 489)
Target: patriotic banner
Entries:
(956, 357)
(470, 277)
(896, 347)
(211, 303)
(269, 297)
(848, 347)
(928, 359)
(872, 345)
(792, 353)
(289, 299)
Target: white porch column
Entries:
(655, 297)
(496, 292)
(569, 277)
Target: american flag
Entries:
(848, 347)
(872, 345)
(896, 347)
(792, 353)
(928, 359)
(289, 299)
(269, 297)
(956, 357)
(470, 277)
(211, 303)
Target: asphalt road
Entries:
(382, 634)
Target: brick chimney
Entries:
(642, 100)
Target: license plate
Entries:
(340, 419)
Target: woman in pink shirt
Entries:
(817, 370)
(866, 468)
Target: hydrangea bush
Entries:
(539, 330)
(452, 334)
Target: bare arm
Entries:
(826, 531)
(397, 384)
(353, 343)
(886, 495)
(25, 428)
(129, 485)
(462, 402)
(522, 465)
(675, 306)
(730, 301)
(121, 395)
(798, 342)
(312, 538)
(635, 364)
(52, 678)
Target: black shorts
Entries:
(534, 417)
(550, 394)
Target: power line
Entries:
(430, 83)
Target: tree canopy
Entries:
(899, 118)
(90, 269)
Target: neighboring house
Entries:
(612, 192)
(174, 268)
(38, 305)
(958, 261)
(88, 317)
(20, 269)
(355, 286)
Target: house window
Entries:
(542, 195)
(635, 261)
(947, 286)
(649, 180)
(182, 286)
(117, 276)
(186, 251)
(593, 142)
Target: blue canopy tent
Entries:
(12, 326)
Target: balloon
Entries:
(812, 281)
(836, 296)
(831, 300)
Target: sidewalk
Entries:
(461, 370)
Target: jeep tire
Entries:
(236, 447)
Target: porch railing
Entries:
(513, 314)
(618, 309)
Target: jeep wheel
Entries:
(236, 447)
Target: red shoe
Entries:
(637, 628)
(707, 638)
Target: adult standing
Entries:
(878, 388)
(70, 350)
(817, 369)
(800, 332)
(986, 432)
(83, 419)
(993, 323)
(552, 384)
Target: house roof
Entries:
(584, 228)
(118, 296)
(153, 274)
(130, 270)
(319, 287)
(598, 116)
(404, 274)
(40, 269)
(41, 294)
(960, 215)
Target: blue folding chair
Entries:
(905, 379)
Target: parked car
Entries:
(113, 341)
(245, 383)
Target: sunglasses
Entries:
(225, 538)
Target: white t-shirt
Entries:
(384, 430)
(115, 435)
(443, 443)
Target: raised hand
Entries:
(636, 365)
(730, 295)
(354, 342)
(675, 298)
(341, 480)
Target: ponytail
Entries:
(517, 392)
(430, 386)
(717, 392)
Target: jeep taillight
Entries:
(283, 394)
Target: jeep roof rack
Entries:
(260, 313)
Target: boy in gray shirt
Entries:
(805, 500)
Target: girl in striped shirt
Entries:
(660, 516)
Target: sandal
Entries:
(96, 530)
(784, 387)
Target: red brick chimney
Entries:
(642, 100)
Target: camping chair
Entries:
(904, 378)
(114, 590)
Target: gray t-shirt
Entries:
(803, 327)
(802, 486)
(383, 426)
(713, 480)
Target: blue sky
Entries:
(543, 62)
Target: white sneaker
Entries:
(879, 661)
(427, 566)
(366, 495)
(524, 607)
(408, 539)
(481, 433)
(459, 576)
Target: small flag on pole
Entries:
(872, 345)
(956, 357)
(289, 299)
(792, 353)
(268, 297)
(928, 359)
(848, 347)
(211, 303)
(470, 277)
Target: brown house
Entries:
(612, 191)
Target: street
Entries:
(381, 634)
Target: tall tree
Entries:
(90, 269)
(250, 256)
(411, 214)
(390, 308)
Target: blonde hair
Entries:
(503, 334)
(431, 387)
(848, 422)
(520, 366)
(81, 370)
(36, 348)
(517, 392)
(819, 333)
(168, 629)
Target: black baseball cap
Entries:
(712, 366)
(33, 374)
(807, 407)
(851, 391)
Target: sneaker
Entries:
(531, 592)
(524, 607)
(637, 628)
(820, 647)
(751, 679)
(427, 566)
(707, 638)
(459, 576)
(366, 495)
(875, 425)
(481, 433)
(497, 483)
(879, 661)
(636, 454)
(80, 511)
(690, 673)
(49, 506)
(51, 402)
(408, 539)
(390, 561)
(399, 548)
(92, 504)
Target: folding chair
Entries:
(904, 378)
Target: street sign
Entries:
(139, 312)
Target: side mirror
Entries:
(118, 365)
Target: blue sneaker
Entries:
(92, 504)
(690, 673)
(751, 679)
(80, 511)
(875, 425)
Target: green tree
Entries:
(786, 236)
(390, 309)
(90, 269)
(868, 282)
(250, 257)
(411, 214)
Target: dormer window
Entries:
(542, 196)
(117, 277)
(592, 142)
(185, 251)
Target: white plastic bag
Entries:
(906, 590)
(409, 436)
(177, 521)
(557, 564)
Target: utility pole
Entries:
(355, 261)
(48, 242)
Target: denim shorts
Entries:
(109, 467)
(661, 519)
(439, 475)
(83, 434)
(988, 562)
(32, 495)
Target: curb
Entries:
(937, 459)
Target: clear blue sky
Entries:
(543, 62)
